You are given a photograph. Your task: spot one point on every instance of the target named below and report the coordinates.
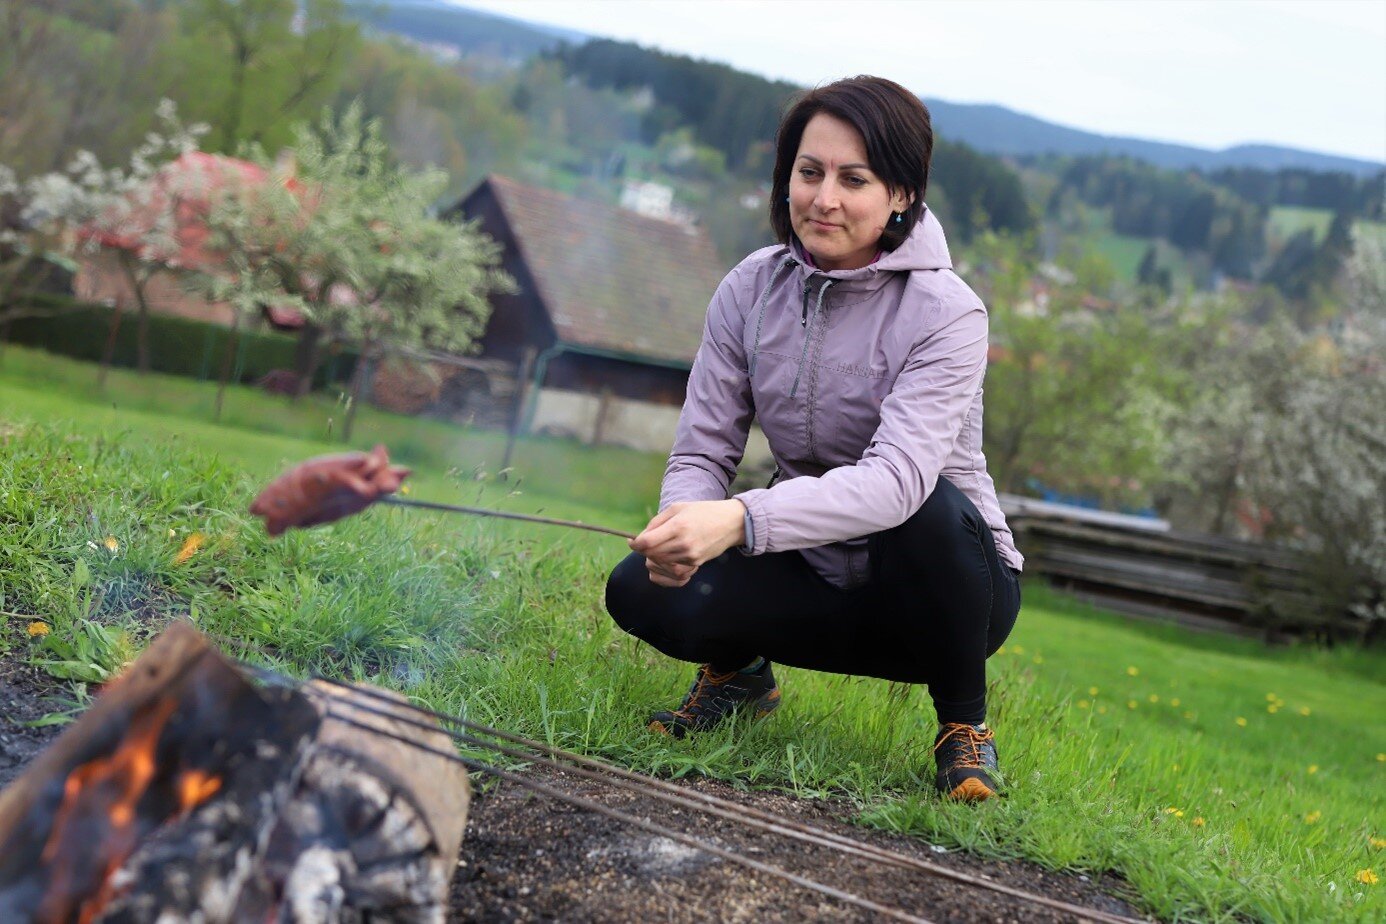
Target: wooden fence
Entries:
(1143, 568)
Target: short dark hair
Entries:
(899, 138)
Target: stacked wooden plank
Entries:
(1142, 567)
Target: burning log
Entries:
(187, 793)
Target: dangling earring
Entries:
(899, 217)
(786, 198)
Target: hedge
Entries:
(177, 346)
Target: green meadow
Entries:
(1223, 780)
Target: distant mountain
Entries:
(998, 130)
(987, 127)
(470, 32)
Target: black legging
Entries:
(939, 603)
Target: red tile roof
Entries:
(611, 278)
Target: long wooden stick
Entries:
(504, 515)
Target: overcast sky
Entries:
(1304, 73)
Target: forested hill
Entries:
(1002, 131)
(989, 128)
(598, 117)
(469, 32)
(736, 113)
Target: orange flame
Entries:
(113, 784)
(109, 788)
(196, 787)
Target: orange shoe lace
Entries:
(705, 677)
(971, 740)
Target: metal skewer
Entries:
(504, 515)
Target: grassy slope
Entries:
(504, 622)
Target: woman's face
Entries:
(837, 206)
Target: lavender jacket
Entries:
(868, 386)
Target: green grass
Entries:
(1288, 220)
(504, 622)
(1123, 251)
(607, 476)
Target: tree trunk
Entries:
(307, 358)
(358, 379)
(108, 352)
(142, 334)
(227, 356)
(138, 281)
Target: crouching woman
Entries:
(879, 549)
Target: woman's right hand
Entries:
(683, 536)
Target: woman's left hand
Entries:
(683, 536)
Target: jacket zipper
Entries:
(808, 334)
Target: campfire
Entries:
(189, 793)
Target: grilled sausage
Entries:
(327, 488)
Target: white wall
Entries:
(637, 424)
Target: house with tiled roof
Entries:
(608, 313)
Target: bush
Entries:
(177, 346)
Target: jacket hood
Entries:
(925, 249)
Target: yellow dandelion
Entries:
(1271, 697)
(1001, 650)
(1174, 702)
(1367, 877)
(1377, 842)
(404, 489)
(111, 544)
(1381, 758)
(1082, 704)
(1303, 710)
(1241, 722)
(1313, 768)
(1092, 691)
(1154, 697)
(1188, 715)
(1039, 659)
(190, 547)
(1198, 822)
(1272, 708)
(1131, 704)
(1102, 710)
(1313, 817)
(1174, 767)
(1176, 812)
(1017, 649)
(37, 628)
(1132, 671)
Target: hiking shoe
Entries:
(713, 697)
(966, 759)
